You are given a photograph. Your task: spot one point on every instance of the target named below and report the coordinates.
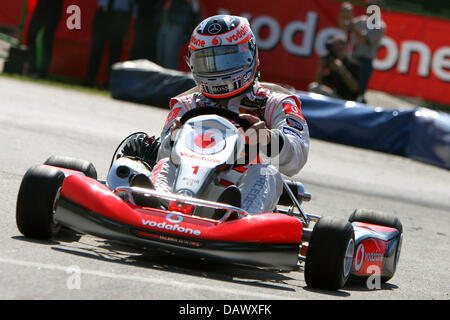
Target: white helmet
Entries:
(223, 56)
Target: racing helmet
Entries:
(223, 56)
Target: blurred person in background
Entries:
(177, 19)
(365, 41)
(46, 17)
(337, 75)
(146, 29)
(111, 24)
(344, 19)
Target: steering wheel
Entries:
(230, 115)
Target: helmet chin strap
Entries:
(251, 95)
(251, 91)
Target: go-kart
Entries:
(65, 193)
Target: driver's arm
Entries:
(178, 108)
(284, 117)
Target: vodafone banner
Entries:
(414, 59)
(290, 34)
(71, 47)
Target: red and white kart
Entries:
(65, 192)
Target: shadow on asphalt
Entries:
(111, 251)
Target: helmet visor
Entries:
(221, 58)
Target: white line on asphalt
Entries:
(175, 283)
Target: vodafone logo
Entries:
(174, 218)
(359, 257)
(216, 41)
(197, 42)
(292, 110)
(196, 157)
(205, 142)
(362, 256)
(242, 32)
(398, 53)
(173, 227)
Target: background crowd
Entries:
(346, 69)
(161, 27)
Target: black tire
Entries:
(330, 254)
(34, 209)
(73, 164)
(378, 218)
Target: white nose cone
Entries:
(122, 170)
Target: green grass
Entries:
(437, 106)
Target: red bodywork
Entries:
(263, 228)
(375, 249)
(270, 234)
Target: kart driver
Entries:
(223, 58)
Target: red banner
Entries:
(413, 60)
(71, 47)
(288, 34)
(10, 13)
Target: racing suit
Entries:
(260, 183)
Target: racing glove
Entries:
(143, 147)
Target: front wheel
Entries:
(330, 254)
(36, 200)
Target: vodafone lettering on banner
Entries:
(413, 60)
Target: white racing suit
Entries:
(260, 183)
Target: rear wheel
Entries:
(36, 201)
(73, 164)
(330, 254)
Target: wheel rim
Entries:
(55, 205)
(399, 249)
(348, 257)
(54, 225)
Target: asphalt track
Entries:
(37, 121)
